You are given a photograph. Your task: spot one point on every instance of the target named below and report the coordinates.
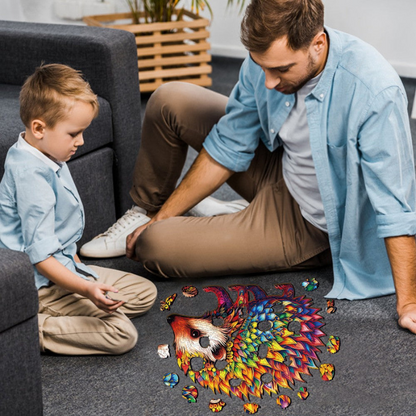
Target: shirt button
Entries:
(272, 131)
(287, 103)
(322, 96)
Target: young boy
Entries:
(41, 214)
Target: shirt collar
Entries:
(24, 145)
(334, 56)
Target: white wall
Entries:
(388, 25)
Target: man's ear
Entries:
(319, 42)
(38, 128)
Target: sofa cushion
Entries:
(99, 134)
(93, 176)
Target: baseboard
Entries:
(404, 69)
(229, 51)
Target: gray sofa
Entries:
(102, 170)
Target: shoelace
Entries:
(121, 224)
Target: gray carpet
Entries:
(374, 369)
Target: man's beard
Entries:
(311, 73)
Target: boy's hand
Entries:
(96, 293)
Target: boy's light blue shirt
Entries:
(41, 212)
(362, 150)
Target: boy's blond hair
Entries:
(49, 93)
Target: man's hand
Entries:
(96, 293)
(402, 256)
(131, 241)
(407, 317)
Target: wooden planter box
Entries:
(169, 51)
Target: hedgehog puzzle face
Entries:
(256, 343)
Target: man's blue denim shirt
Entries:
(362, 150)
(41, 212)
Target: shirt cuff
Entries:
(396, 225)
(43, 249)
(221, 153)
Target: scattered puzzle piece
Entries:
(310, 284)
(216, 405)
(283, 401)
(333, 344)
(189, 291)
(171, 379)
(303, 393)
(251, 408)
(330, 306)
(167, 303)
(163, 351)
(190, 393)
(327, 372)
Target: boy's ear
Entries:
(38, 128)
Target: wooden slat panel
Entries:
(151, 86)
(175, 72)
(158, 47)
(175, 60)
(99, 20)
(172, 37)
(166, 50)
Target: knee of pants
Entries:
(126, 338)
(162, 100)
(154, 251)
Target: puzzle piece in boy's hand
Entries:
(327, 372)
(171, 379)
(190, 393)
(119, 296)
(330, 306)
(303, 393)
(216, 405)
(251, 408)
(333, 344)
(167, 303)
(189, 291)
(283, 401)
(310, 284)
(163, 350)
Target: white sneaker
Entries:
(112, 243)
(210, 206)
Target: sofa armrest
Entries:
(18, 293)
(108, 60)
(20, 366)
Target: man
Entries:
(315, 136)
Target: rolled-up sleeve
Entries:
(388, 164)
(36, 208)
(234, 139)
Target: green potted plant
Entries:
(171, 40)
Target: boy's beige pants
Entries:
(270, 235)
(71, 324)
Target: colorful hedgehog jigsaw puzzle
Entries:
(249, 348)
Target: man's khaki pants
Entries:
(269, 235)
(71, 324)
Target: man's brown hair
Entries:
(268, 20)
(50, 92)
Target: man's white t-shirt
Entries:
(298, 167)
